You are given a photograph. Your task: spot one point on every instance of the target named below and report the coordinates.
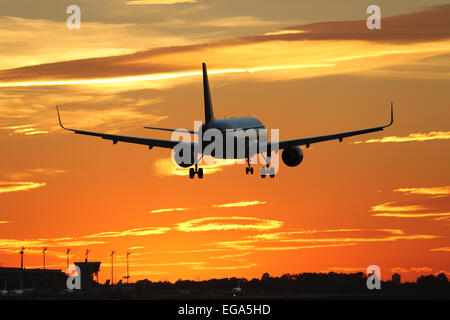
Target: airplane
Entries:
(291, 155)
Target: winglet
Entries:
(59, 119)
(392, 115)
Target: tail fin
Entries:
(209, 113)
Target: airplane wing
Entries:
(340, 136)
(115, 138)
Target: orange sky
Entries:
(381, 199)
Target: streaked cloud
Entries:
(25, 174)
(147, 2)
(434, 191)
(14, 186)
(223, 205)
(314, 239)
(283, 32)
(131, 232)
(411, 269)
(26, 129)
(393, 208)
(228, 223)
(444, 249)
(348, 269)
(435, 205)
(168, 210)
(257, 56)
(239, 204)
(412, 215)
(418, 137)
(227, 267)
(167, 167)
(34, 246)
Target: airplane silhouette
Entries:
(291, 155)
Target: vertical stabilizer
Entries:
(209, 114)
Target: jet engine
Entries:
(292, 157)
(180, 159)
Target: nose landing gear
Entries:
(196, 171)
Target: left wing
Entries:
(307, 141)
(115, 138)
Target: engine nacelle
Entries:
(178, 157)
(292, 157)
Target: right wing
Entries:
(115, 138)
(286, 144)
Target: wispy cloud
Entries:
(239, 204)
(150, 2)
(434, 191)
(396, 208)
(131, 232)
(167, 167)
(228, 223)
(223, 205)
(14, 186)
(169, 210)
(26, 129)
(343, 48)
(445, 249)
(227, 267)
(412, 215)
(417, 137)
(25, 174)
(322, 239)
(411, 269)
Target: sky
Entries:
(305, 68)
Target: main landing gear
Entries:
(268, 170)
(196, 171)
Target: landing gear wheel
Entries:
(246, 170)
(200, 173)
(191, 173)
(251, 170)
(272, 172)
(263, 172)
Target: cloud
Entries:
(167, 167)
(169, 210)
(444, 249)
(277, 241)
(14, 186)
(227, 267)
(412, 215)
(392, 208)
(34, 246)
(228, 223)
(417, 137)
(223, 205)
(150, 2)
(403, 39)
(131, 232)
(26, 129)
(411, 269)
(437, 204)
(239, 204)
(434, 191)
(25, 174)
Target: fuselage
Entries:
(241, 132)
